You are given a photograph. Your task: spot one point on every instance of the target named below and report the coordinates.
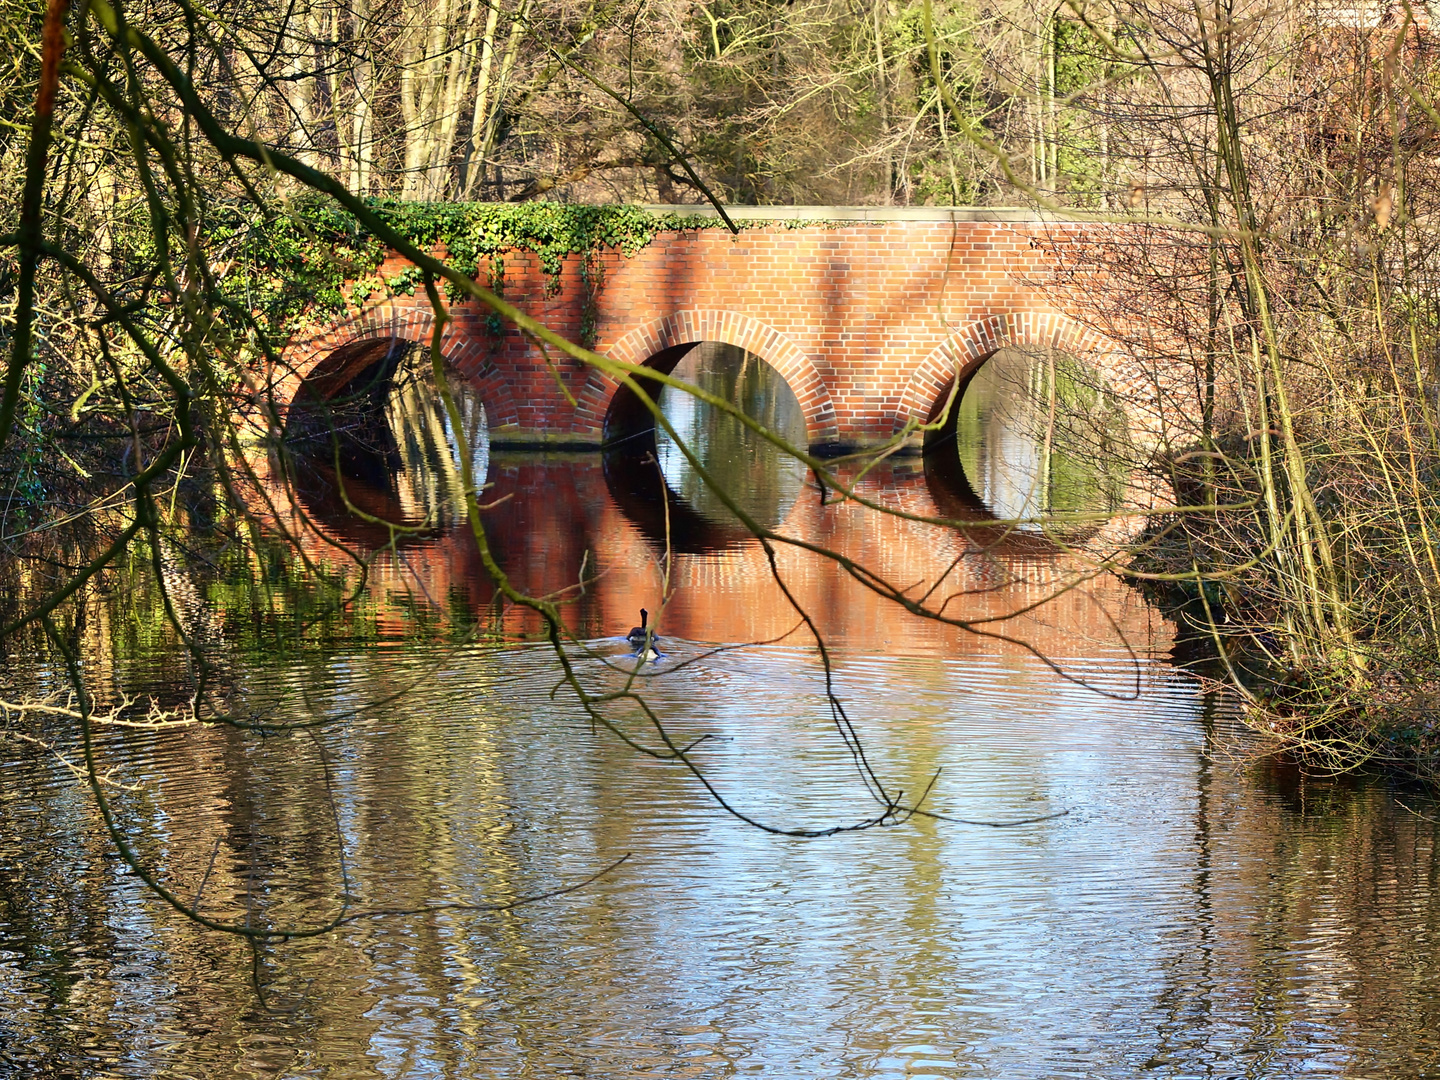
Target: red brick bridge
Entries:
(870, 315)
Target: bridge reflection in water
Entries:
(399, 459)
(1038, 434)
(765, 481)
(597, 530)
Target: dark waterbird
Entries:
(639, 636)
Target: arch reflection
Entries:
(384, 445)
(1035, 434)
(653, 481)
(956, 500)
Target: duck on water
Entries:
(644, 641)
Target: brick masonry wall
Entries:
(868, 322)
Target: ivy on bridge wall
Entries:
(316, 263)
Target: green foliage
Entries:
(27, 486)
(946, 173)
(475, 231)
(282, 268)
(1081, 62)
(291, 269)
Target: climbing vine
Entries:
(312, 264)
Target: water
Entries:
(766, 482)
(1193, 910)
(1037, 435)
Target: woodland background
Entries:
(802, 101)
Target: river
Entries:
(1177, 905)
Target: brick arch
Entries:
(732, 328)
(414, 322)
(964, 350)
(971, 346)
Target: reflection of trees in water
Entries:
(761, 479)
(391, 453)
(426, 476)
(1037, 434)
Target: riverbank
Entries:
(1236, 624)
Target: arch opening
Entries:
(629, 426)
(1032, 433)
(370, 429)
(642, 460)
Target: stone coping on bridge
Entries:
(858, 213)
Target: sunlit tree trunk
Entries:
(356, 130)
(490, 95)
(437, 62)
(302, 87)
(882, 91)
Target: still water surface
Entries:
(1194, 912)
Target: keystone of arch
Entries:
(406, 319)
(731, 328)
(967, 347)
